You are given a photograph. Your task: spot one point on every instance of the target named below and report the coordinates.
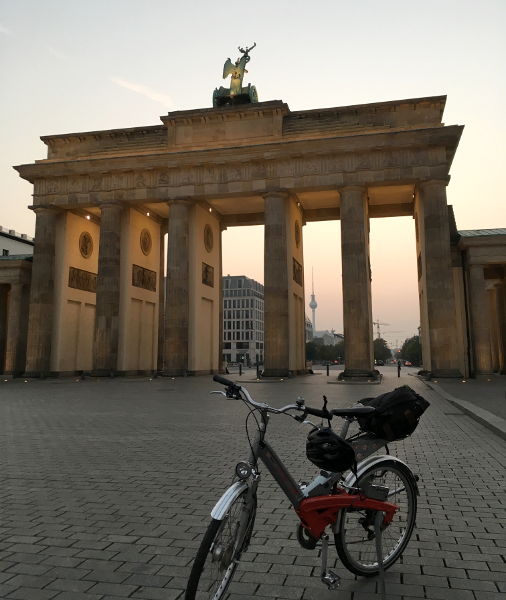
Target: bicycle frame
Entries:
(316, 508)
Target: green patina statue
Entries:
(236, 94)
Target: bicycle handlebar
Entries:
(227, 382)
(316, 412)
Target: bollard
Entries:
(240, 369)
(327, 369)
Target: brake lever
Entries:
(221, 392)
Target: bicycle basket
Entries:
(397, 413)
(328, 451)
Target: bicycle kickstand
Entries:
(378, 520)
(328, 577)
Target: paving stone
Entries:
(116, 500)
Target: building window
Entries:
(5, 252)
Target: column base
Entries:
(446, 373)
(39, 374)
(11, 374)
(275, 373)
(174, 373)
(104, 373)
(359, 376)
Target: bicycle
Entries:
(369, 502)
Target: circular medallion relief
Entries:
(208, 238)
(86, 244)
(146, 242)
(297, 234)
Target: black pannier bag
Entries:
(397, 413)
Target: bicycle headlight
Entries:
(243, 470)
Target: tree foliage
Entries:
(319, 352)
(411, 350)
(381, 350)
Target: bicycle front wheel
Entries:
(220, 550)
(355, 539)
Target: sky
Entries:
(69, 66)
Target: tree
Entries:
(412, 350)
(381, 350)
(319, 352)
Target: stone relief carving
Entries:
(326, 165)
(146, 242)
(143, 278)
(85, 244)
(208, 238)
(82, 280)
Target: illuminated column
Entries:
(284, 324)
(14, 339)
(356, 273)
(501, 319)
(177, 299)
(106, 342)
(436, 280)
(276, 353)
(40, 319)
(480, 322)
(161, 297)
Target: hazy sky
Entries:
(69, 66)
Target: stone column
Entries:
(221, 368)
(40, 319)
(106, 339)
(356, 273)
(14, 338)
(491, 292)
(501, 319)
(437, 278)
(4, 289)
(161, 297)
(177, 291)
(480, 323)
(276, 333)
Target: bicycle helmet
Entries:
(327, 450)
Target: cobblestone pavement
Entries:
(107, 485)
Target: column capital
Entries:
(352, 188)
(281, 194)
(110, 204)
(430, 182)
(40, 210)
(181, 202)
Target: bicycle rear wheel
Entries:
(220, 550)
(355, 539)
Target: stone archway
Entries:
(208, 169)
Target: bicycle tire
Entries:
(219, 552)
(354, 544)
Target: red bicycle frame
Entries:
(321, 511)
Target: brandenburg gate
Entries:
(104, 201)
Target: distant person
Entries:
(398, 368)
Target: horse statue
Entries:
(236, 94)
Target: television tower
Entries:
(313, 304)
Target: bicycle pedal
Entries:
(331, 580)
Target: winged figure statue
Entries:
(236, 94)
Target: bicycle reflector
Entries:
(243, 470)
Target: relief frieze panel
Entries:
(143, 278)
(154, 180)
(82, 280)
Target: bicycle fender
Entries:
(369, 462)
(221, 507)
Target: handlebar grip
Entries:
(226, 382)
(324, 414)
